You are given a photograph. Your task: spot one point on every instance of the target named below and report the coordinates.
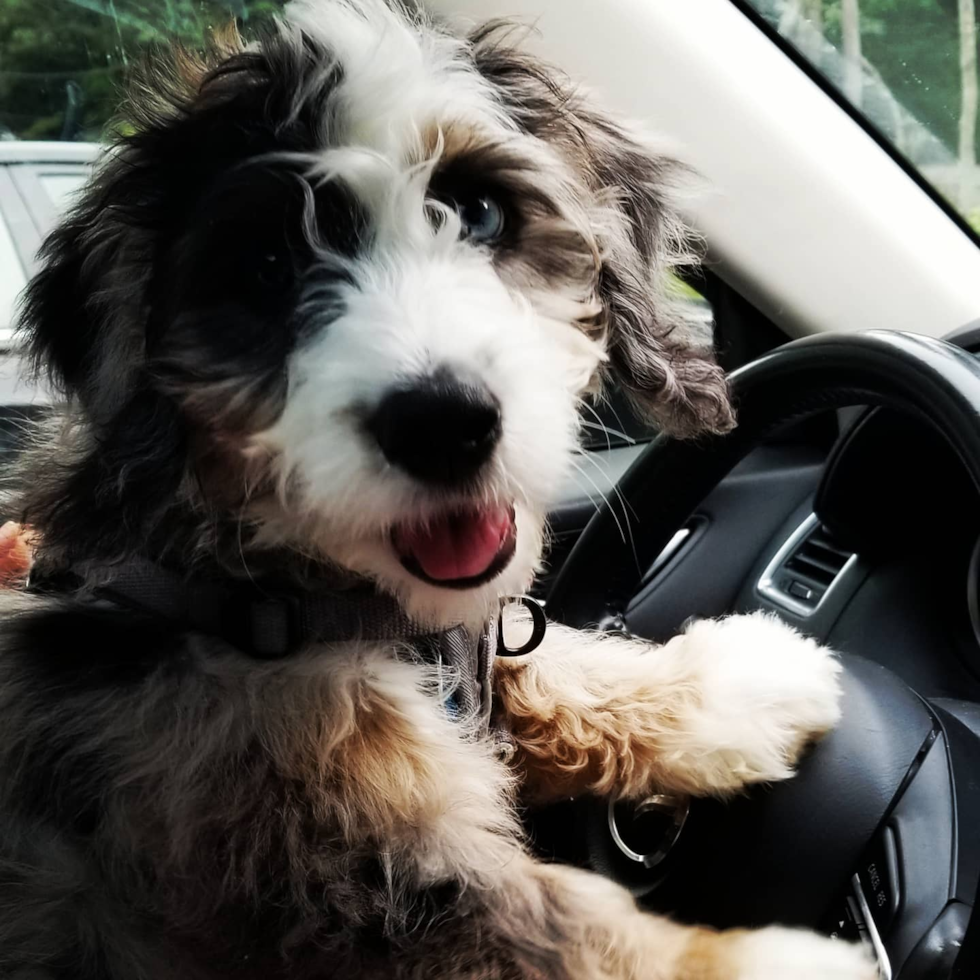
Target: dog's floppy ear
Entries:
(65, 322)
(84, 322)
(672, 379)
(668, 372)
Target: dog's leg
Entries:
(727, 703)
(549, 921)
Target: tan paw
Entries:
(764, 692)
(793, 954)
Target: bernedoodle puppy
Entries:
(322, 321)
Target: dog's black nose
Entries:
(438, 430)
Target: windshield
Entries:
(910, 68)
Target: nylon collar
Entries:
(270, 624)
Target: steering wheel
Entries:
(876, 834)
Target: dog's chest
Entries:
(357, 922)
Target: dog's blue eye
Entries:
(482, 218)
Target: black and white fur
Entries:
(278, 242)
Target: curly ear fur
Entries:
(103, 489)
(670, 376)
(672, 380)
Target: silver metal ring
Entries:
(678, 806)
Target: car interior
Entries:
(843, 291)
(841, 503)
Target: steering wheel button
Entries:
(880, 879)
(846, 922)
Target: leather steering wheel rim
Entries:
(918, 375)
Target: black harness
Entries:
(271, 625)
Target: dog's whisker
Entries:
(605, 430)
(623, 526)
(605, 467)
(597, 424)
(601, 495)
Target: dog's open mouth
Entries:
(460, 549)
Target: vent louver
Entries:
(805, 569)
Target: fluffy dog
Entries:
(323, 320)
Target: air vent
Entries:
(805, 569)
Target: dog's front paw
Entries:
(781, 954)
(764, 692)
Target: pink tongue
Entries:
(456, 546)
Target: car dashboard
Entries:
(872, 546)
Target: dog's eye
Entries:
(482, 217)
(273, 270)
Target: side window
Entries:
(62, 64)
